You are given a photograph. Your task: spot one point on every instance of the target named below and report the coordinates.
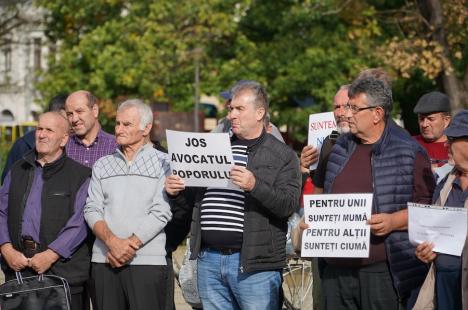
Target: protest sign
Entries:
(320, 126)
(337, 225)
(444, 226)
(201, 159)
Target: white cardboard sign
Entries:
(337, 225)
(201, 159)
(320, 126)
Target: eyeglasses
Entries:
(355, 109)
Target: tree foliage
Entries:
(302, 51)
(432, 39)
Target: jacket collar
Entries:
(258, 141)
(49, 169)
(378, 146)
(142, 149)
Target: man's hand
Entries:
(309, 156)
(303, 225)
(113, 261)
(15, 259)
(243, 178)
(136, 241)
(41, 262)
(123, 250)
(381, 224)
(424, 252)
(174, 185)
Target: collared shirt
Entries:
(87, 155)
(71, 235)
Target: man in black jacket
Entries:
(42, 228)
(239, 235)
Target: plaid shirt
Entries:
(87, 155)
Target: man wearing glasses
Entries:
(377, 158)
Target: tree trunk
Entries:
(457, 90)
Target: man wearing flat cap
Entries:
(451, 272)
(433, 111)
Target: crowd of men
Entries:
(105, 212)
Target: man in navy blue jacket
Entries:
(377, 157)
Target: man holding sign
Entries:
(377, 158)
(239, 235)
(452, 191)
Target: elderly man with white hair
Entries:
(127, 210)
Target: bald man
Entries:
(42, 227)
(89, 142)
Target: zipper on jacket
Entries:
(25, 200)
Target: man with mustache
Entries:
(309, 153)
(375, 157)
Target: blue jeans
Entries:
(222, 286)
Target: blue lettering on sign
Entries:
(320, 141)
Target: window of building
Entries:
(37, 53)
(7, 59)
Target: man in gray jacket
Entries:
(127, 210)
(239, 235)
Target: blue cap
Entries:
(459, 126)
(226, 95)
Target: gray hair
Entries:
(376, 91)
(146, 115)
(260, 94)
(343, 87)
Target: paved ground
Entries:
(179, 300)
(293, 279)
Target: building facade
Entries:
(23, 52)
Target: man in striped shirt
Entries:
(239, 235)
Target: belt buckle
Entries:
(29, 244)
(227, 251)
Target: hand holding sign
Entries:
(174, 185)
(243, 178)
(381, 224)
(424, 252)
(309, 156)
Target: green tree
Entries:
(432, 40)
(302, 51)
(298, 49)
(136, 48)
